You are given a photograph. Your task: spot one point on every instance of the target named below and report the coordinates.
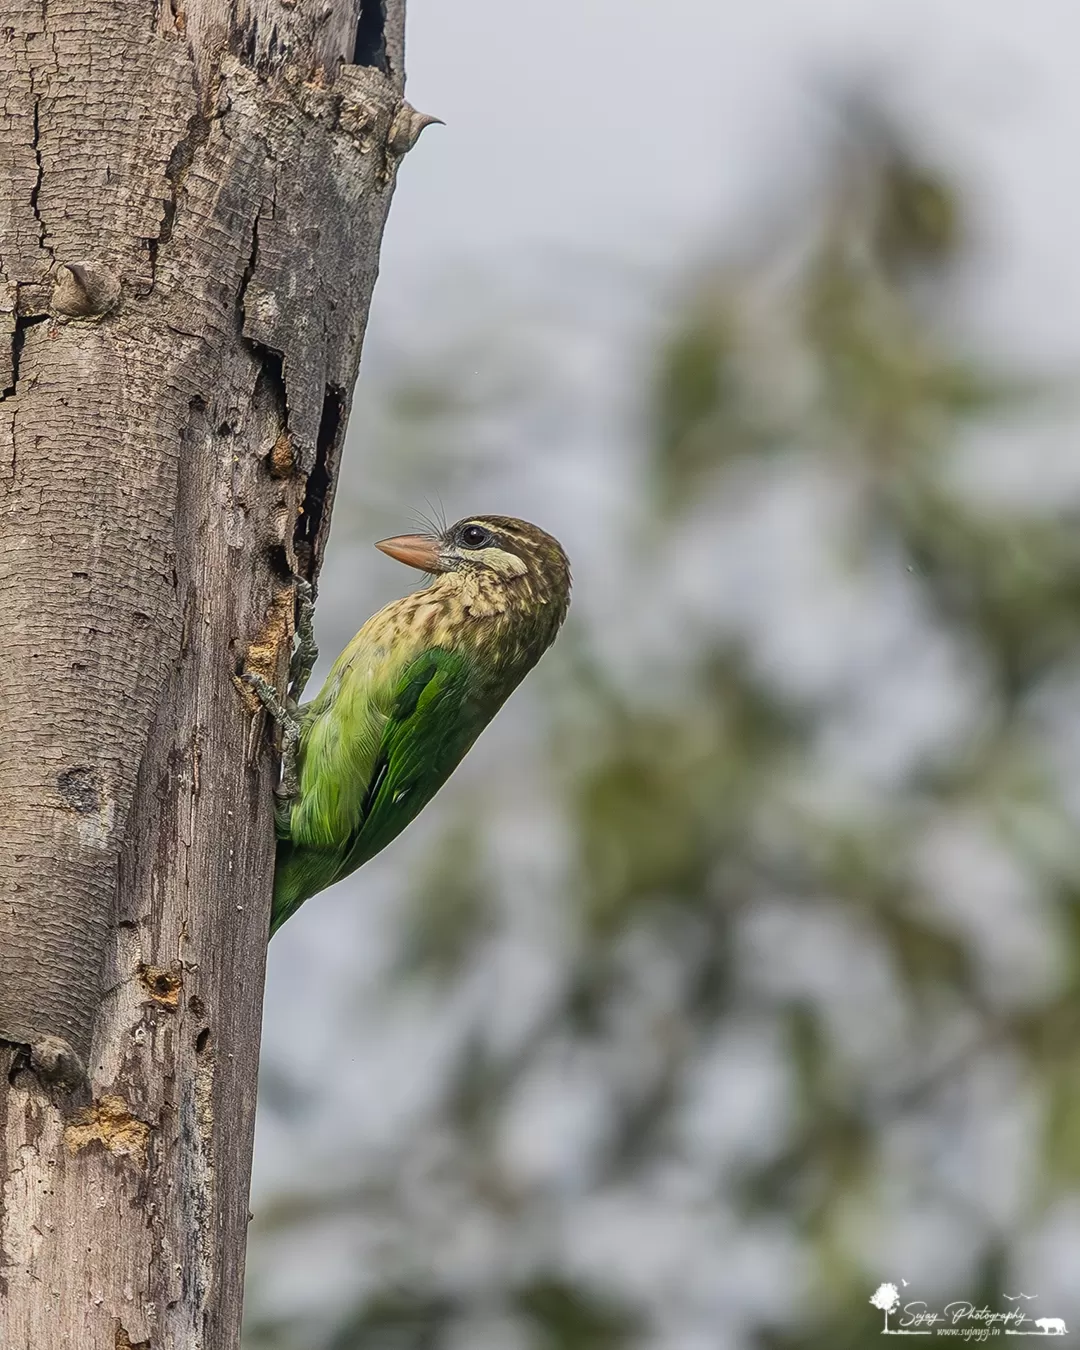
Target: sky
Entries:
(620, 127)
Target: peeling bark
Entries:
(192, 196)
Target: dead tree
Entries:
(192, 196)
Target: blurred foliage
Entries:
(729, 871)
(450, 910)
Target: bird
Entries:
(408, 696)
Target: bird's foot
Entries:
(286, 712)
(306, 652)
(286, 715)
(282, 711)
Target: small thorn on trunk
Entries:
(406, 128)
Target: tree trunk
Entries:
(192, 195)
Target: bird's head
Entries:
(494, 550)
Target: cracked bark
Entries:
(192, 196)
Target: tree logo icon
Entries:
(886, 1297)
(919, 1320)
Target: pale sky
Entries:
(619, 126)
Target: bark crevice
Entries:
(22, 323)
(35, 191)
(309, 522)
(180, 161)
(369, 46)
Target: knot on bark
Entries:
(80, 788)
(57, 1064)
(85, 290)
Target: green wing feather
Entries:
(373, 754)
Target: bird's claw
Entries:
(268, 697)
(306, 652)
(285, 715)
(286, 712)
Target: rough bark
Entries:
(192, 195)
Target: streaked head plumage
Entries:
(500, 549)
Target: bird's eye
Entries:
(475, 536)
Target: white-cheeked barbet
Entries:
(411, 693)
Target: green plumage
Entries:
(410, 694)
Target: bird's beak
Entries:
(414, 550)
